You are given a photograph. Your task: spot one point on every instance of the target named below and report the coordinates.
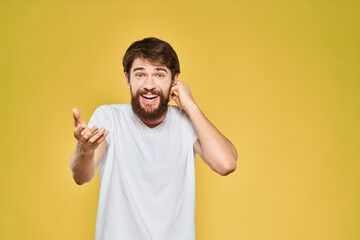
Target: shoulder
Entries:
(177, 111)
(112, 108)
(108, 114)
(179, 114)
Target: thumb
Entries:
(77, 118)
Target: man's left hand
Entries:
(184, 99)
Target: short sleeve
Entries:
(192, 131)
(193, 137)
(187, 125)
(102, 118)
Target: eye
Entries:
(160, 75)
(139, 75)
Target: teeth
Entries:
(149, 96)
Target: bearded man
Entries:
(145, 151)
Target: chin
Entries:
(149, 108)
(149, 112)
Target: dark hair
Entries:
(154, 50)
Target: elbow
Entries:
(79, 183)
(227, 171)
(81, 180)
(230, 163)
(229, 168)
(81, 177)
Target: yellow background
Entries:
(280, 79)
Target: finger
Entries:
(174, 89)
(77, 118)
(78, 130)
(102, 137)
(88, 132)
(97, 135)
(175, 98)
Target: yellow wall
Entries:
(279, 78)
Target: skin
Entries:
(89, 150)
(145, 75)
(212, 146)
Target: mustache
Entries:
(151, 91)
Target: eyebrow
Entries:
(139, 68)
(157, 69)
(161, 69)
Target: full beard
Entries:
(150, 113)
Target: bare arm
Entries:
(89, 150)
(213, 147)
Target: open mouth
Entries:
(149, 98)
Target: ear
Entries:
(174, 81)
(127, 79)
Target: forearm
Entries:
(218, 151)
(82, 165)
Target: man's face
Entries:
(150, 85)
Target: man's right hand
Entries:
(88, 138)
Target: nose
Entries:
(149, 83)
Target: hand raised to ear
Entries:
(184, 99)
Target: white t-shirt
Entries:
(147, 176)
